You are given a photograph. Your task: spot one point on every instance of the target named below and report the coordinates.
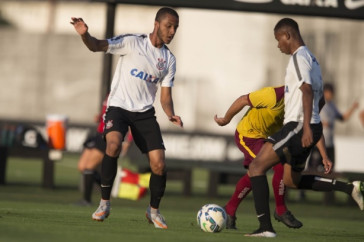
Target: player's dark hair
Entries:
(329, 87)
(287, 23)
(163, 11)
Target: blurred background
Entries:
(45, 68)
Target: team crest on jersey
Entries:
(109, 124)
(161, 65)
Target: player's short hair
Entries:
(287, 23)
(163, 11)
(329, 87)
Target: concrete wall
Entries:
(44, 67)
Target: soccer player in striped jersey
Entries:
(302, 129)
(145, 64)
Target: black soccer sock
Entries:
(317, 183)
(157, 186)
(108, 172)
(97, 177)
(88, 182)
(261, 201)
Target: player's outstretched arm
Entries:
(167, 105)
(350, 111)
(235, 108)
(92, 43)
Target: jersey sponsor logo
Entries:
(144, 76)
(161, 65)
(109, 124)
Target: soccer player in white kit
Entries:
(301, 131)
(145, 62)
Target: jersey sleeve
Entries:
(120, 45)
(303, 67)
(263, 98)
(168, 80)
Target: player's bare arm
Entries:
(235, 108)
(351, 110)
(91, 42)
(167, 105)
(325, 159)
(307, 100)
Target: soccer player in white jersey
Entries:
(145, 63)
(301, 131)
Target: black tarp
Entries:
(351, 9)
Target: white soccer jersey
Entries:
(140, 69)
(302, 67)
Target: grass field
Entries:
(30, 213)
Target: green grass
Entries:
(31, 213)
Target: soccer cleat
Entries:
(102, 212)
(230, 222)
(358, 193)
(262, 233)
(156, 219)
(288, 219)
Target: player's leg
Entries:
(108, 172)
(147, 136)
(114, 132)
(86, 177)
(265, 160)
(242, 189)
(157, 185)
(250, 147)
(90, 173)
(269, 156)
(279, 189)
(281, 213)
(96, 154)
(318, 183)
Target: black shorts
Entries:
(96, 142)
(288, 146)
(144, 127)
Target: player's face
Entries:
(283, 43)
(167, 28)
(328, 95)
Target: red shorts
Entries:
(249, 146)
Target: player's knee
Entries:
(158, 167)
(113, 148)
(255, 169)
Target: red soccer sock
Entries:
(243, 187)
(279, 189)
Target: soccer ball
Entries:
(211, 218)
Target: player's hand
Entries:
(307, 137)
(355, 105)
(327, 165)
(221, 121)
(80, 26)
(176, 120)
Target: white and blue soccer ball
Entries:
(211, 218)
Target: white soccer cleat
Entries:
(358, 193)
(261, 233)
(156, 219)
(102, 212)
